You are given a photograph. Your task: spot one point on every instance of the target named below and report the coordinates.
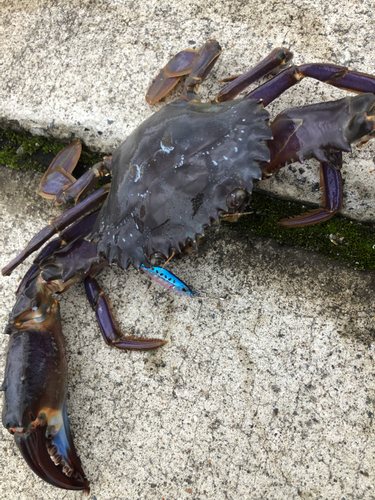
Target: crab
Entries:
(188, 166)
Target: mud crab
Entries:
(181, 171)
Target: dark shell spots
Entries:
(172, 176)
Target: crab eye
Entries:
(236, 198)
(157, 259)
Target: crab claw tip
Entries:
(53, 458)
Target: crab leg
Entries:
(86, 182)
(338, 76)
(80, 229)
(111, 333)
(35, 388)
(207, 57)
(58, 183)
(196, 64)
(36, 371)
(321, 131)
(277, 58)
(59, 172)
(181, 64)
(71, 258)
(56, 225)
(331, 186)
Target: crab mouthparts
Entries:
(49, 451)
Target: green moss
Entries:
(337, 238)
(28, 152)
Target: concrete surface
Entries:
(81, 68)
(265, 389)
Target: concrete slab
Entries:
(264, 390)
(82, 68)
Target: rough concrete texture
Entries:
(265, 389)
(82, 68)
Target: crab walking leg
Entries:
(331, 186)
(58, 183)
(80, 229)
(111, 333)
(195, 64)
(74, 259)
(77, 260)
(59, 172)
(86, 182)
(207, 57)
(56, 225)
(181, 64)
(278, 58)
(338, 76)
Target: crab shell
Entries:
(173, 174)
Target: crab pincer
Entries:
(35, 384)
(35, 389)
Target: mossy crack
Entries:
(338, 238)
(28, 152)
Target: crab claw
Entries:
(50, 453)
(35, 388)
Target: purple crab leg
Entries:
(86, 182)
(80, 229)
(338, 76)
(180, 65)
(29, 274)
(272, 89)
(168, 280)
(110, 331)
(319, 130)
(58, 176)
(56, 225)
(207, 57)
(196, 64)
(277, 58)
(58, 183)
(35, 383)
(331, 186)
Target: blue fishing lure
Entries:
(168, 280)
